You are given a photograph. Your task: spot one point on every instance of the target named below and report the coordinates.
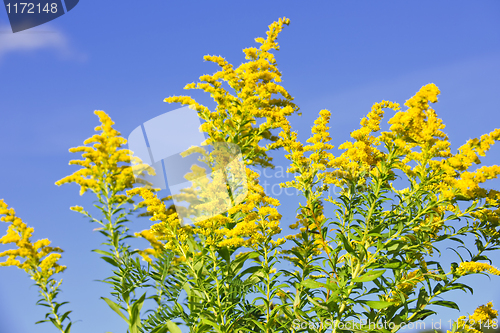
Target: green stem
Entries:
(46, 295)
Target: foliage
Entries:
(365, 261)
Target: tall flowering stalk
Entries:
(250, 224)
(39, 260)
(106, 172)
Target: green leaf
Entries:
(393, 265)
(262, 327)
(109, 254)
(296, 302)
(460, 286)
(54, 322)
(187, 289)
(369, 276)
(249, 270)
(115, 307)
(378, 304)
(238, 263)
(422, 297)
(224, 253)
(135, 318)
(172, 327)
(422, 314)
(314, 302)
(66, 314)
(110, 261)
(254, 278)
(160, 329)
(312, 284)
(68, 328)
(347, 246)
(448, 304)
(211, 323)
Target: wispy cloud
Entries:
(33, 40)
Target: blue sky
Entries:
(126, 57)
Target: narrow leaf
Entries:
(115, 307)
(369, 276)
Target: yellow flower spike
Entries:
(476, 267)
(482, 317)
(168, 234)
(483, 314)
(362, 154)
(154, 205)
(102, 156)
(253, 84)
(38, 259)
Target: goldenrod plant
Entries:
(39, 260)
(367, 260)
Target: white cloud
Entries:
(32, 40)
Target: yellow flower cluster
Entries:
(167, 229)
(157, 246)
(361, 155)
(255, 84)
(419, 123)
(492, 216)
(254, 219)
(407, 286)
(318, 146)
(310, 172)
(468, 153)
(476, 267)
(37, 259)
(417, 134)
(484, 313)
(245, 224)
(415, 143)
(422, 149)
(104, 161)
(482, 317)
(205, 198)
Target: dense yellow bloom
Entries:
(104, 161)
(423, 150)
(260, 217)
(167, 229)
(482, 317)
(255, 219)
(362, 154)
(255, 86)
(38, 259)
(416, 144)
(490, 214)
(157, 246)
(417, 134)
(419, 123)
(484, 313)
(476, 267)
